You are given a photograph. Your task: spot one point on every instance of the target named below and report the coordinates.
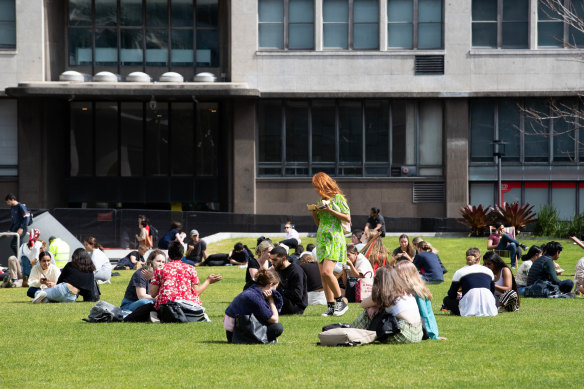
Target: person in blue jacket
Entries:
(19, 219)
(428, 264)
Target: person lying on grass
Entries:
(76, 279)
(506, 293)
(476, 284)
(178, 281)
(390, 292)
(138, 289)
(262, 300)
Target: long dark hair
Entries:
(81, 260)
(533, 251)
(90, 240)
(498, 265)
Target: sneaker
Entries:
(340, 308)
(154, 317)
(101, 282)
(524, 247)
(513, 267)
(329, 311)
(39, 297)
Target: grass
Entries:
(49, 345)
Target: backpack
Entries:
(541, 288)
(25, 211)
(346, 337)
(154, 233)
(104, 312)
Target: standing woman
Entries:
(331, 245)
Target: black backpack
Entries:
(154, 233)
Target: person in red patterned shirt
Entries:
(177, 280)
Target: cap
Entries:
(194, 232)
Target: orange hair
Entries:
(325, 185)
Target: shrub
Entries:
(547, 221)
(476, 217)
(515, 215)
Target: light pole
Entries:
(498, 152)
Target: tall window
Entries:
(160, 33)
(7, 24)
(500, 23)
(351, 138)
(286, 24)
(414, 24)
(552, 27)
(351, 24)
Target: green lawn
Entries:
(48, 345)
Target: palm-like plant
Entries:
(476, 217)
(515, 215)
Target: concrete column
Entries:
(456, 133)
(244, 156)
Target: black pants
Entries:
(291, 243)
(289, 308)
(274, 330)
(452, 305)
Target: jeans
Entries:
(508, 243)
(32, 291)
(128, 305)
(566, 286)
(60, 294)
(521, 290)
(188, 261)
(430, 282)
(25, 265)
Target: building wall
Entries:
(26, 62)
(467, 69)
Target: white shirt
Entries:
(52, 274)
(31, 253)
(363, 266)
(99, 259)
(292, 233)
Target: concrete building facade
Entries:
(399, 100)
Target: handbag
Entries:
(385, 325)
(346, 337)
(181, 311)
(346, 226)
(363, 288)
(249, 330)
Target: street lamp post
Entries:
(498, 152)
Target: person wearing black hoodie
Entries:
(292, 285)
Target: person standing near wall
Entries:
(331, 245)
(19, 219)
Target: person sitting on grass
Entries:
(409, 273)
(476, 283)
(138, 289)
(500, 240)
(43, 275)
(359, 239)
(295, 256)
(134, 259)
(76, 279)
(315, 291)
(579, 278)
(178, 281)
(404, 251)
(292, 284)
(543, 268)
(428, 264)
(506, 294)
(262, 300)
(377, 253)
(292, 237)
(521, 279)
(390, 292)
(103, 266)
(357, 266)
(262, 252)
(238, 256)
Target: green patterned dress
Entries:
(330, 240)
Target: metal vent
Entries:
(429, 64)
(429, 192)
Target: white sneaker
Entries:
(39, 297)
(154, 317)
(101, 282)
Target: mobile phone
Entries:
(321, 206)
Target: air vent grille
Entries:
(429, 64)
(429, 192)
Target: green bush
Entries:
(547, 223)
(575, 227)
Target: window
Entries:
(351, 24)
(286, 24)
(553, 30)
(7, 25)
(414, 24)
(173, 139)
(351, 138)
(158, 33)
(532, 130)
(500, 23)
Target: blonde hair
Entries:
(307, 258)
(378, 252)
(409, 273)
(473, 256)
(263, 246)
(388, 286)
